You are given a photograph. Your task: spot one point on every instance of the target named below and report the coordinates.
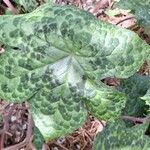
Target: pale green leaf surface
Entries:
(104, 102)
(54, 54)
(116, 136)
(58, 111)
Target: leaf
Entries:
(135, 87)
(116, 136)
(54, 54)
(31, 5)
(141, 9)
(57, 112)
(146, 98)
(133, 5)
(38, 139)
(104, 102)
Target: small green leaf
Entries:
(135, 87)
(146, 98)
(116, 136)
(38, 139)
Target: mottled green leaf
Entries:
(57, 111)
(135, 87)
(104, 102)
(116, 136)
(53, 57)
(38, 139)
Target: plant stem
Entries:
(134, 119)
(10, 6)
(125, 19)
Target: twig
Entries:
(128, 18)
(134, 119)
(10, 6)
